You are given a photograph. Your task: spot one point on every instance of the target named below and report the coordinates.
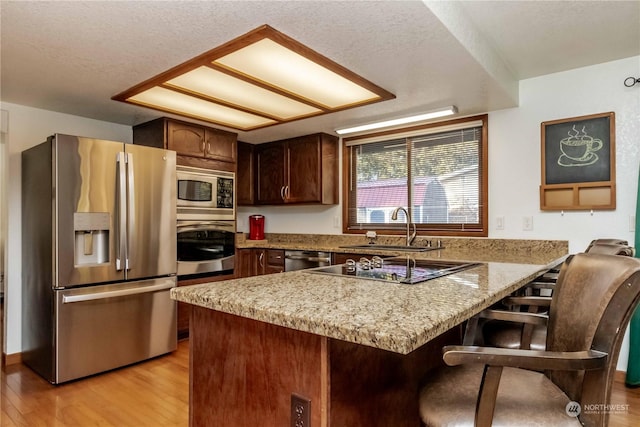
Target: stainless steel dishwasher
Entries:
(300, 260)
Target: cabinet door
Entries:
(220, 145)
(245, 266)
(185, 139)
(259, 261)
(245, 194)
(270, 173)
(304, 170)
(275, 261)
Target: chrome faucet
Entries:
(410, 236)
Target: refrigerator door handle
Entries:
(131, 209)
(67, 299)
(121, 232)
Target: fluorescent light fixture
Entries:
(259, 79)
(401, 121)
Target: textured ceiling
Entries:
(72, 57)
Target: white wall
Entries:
(514, 162)
(514, 158)
(28, 127)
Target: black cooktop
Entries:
(404, 270)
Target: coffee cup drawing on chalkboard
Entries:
(578, 149)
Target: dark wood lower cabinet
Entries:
(256, 262)
(184, 310)
(243, 373)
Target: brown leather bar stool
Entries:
(552, 274)
(499, 331)
(595, 298)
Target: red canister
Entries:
(256, 227)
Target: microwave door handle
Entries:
(121, 215)
(131, 210)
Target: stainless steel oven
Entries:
(205, 194)
(205, 247)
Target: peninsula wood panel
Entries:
(243, 373)
(372, 387)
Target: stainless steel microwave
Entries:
(204, 194)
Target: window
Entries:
(437, 172)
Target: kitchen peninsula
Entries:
(355, 348)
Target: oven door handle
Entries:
(203, 225)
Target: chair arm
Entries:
(528, 359)
(516, 316)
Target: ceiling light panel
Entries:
(178, 103)
(222, 87)
(256, 80)
(274, 64)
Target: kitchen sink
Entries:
(403, 270)
(394, 247)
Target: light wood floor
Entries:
(153, 393)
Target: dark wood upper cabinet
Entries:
(220, 145)
(245, 189)
(185, 139)
(271, 173)
(195, 145)
(301, 170)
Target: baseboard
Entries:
(11, 359)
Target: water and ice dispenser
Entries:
(91, 238)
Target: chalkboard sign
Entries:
(578, 163)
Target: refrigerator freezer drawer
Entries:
(100, 328)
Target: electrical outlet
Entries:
(500, 223)
(336, 221)
(300, 411)
(632, 223)
(527, 223)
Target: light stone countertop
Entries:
(395, 317)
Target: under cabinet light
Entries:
(259, 79)
(400, 121)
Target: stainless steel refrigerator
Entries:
(98, 255)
